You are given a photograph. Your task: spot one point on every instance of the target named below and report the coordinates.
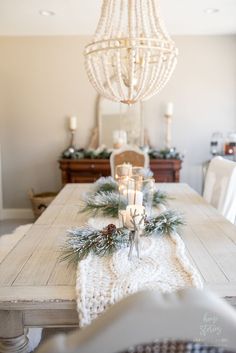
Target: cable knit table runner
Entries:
(102, 281)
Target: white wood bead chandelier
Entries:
(131, 57)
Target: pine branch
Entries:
(166, 223)
(83, 240)
(159, 198)
(104, 203)
(109, 244)
(105, 184)
(79, 243)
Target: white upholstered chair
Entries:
(220, 187)
(128, 154)
(187, 315)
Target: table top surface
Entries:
(32, 271)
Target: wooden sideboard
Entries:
(89, 170)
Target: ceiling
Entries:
(79, 17)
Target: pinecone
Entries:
(109, 230)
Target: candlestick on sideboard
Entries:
(72, 128)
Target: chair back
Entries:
(144, 317)
(220, 187)
(128, 154)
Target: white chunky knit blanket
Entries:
(102, 281)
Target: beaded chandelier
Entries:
(131, 57)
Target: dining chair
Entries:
(128, 154)
(220, 187)
(150, 318)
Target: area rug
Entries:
(7, 243)
(103, 281)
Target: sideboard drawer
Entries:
(164, 176)
(84, 178)
(89, 170)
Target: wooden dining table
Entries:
(38, 290)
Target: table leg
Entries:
(12, 333)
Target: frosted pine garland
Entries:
(105, 184)
(166, 223)
(107, 203)
(84, 240)
(159, 198)
(103, 203)
(105, 199)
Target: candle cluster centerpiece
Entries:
(105, 198)
(137, 191)
(130, 206)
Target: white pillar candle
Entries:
(73, 122)
(131, 210)
(135, 197)
(169, 109)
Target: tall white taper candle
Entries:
(169, 109)
(73, 122)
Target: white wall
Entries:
(203, 89)
(1, 205)
(42, 81)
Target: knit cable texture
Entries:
(103, 281)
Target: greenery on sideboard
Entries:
(103, 153)
(167, 153)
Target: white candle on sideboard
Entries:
(169, 109)
(73, 122)
(131, 210)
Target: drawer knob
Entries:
(92, 166)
